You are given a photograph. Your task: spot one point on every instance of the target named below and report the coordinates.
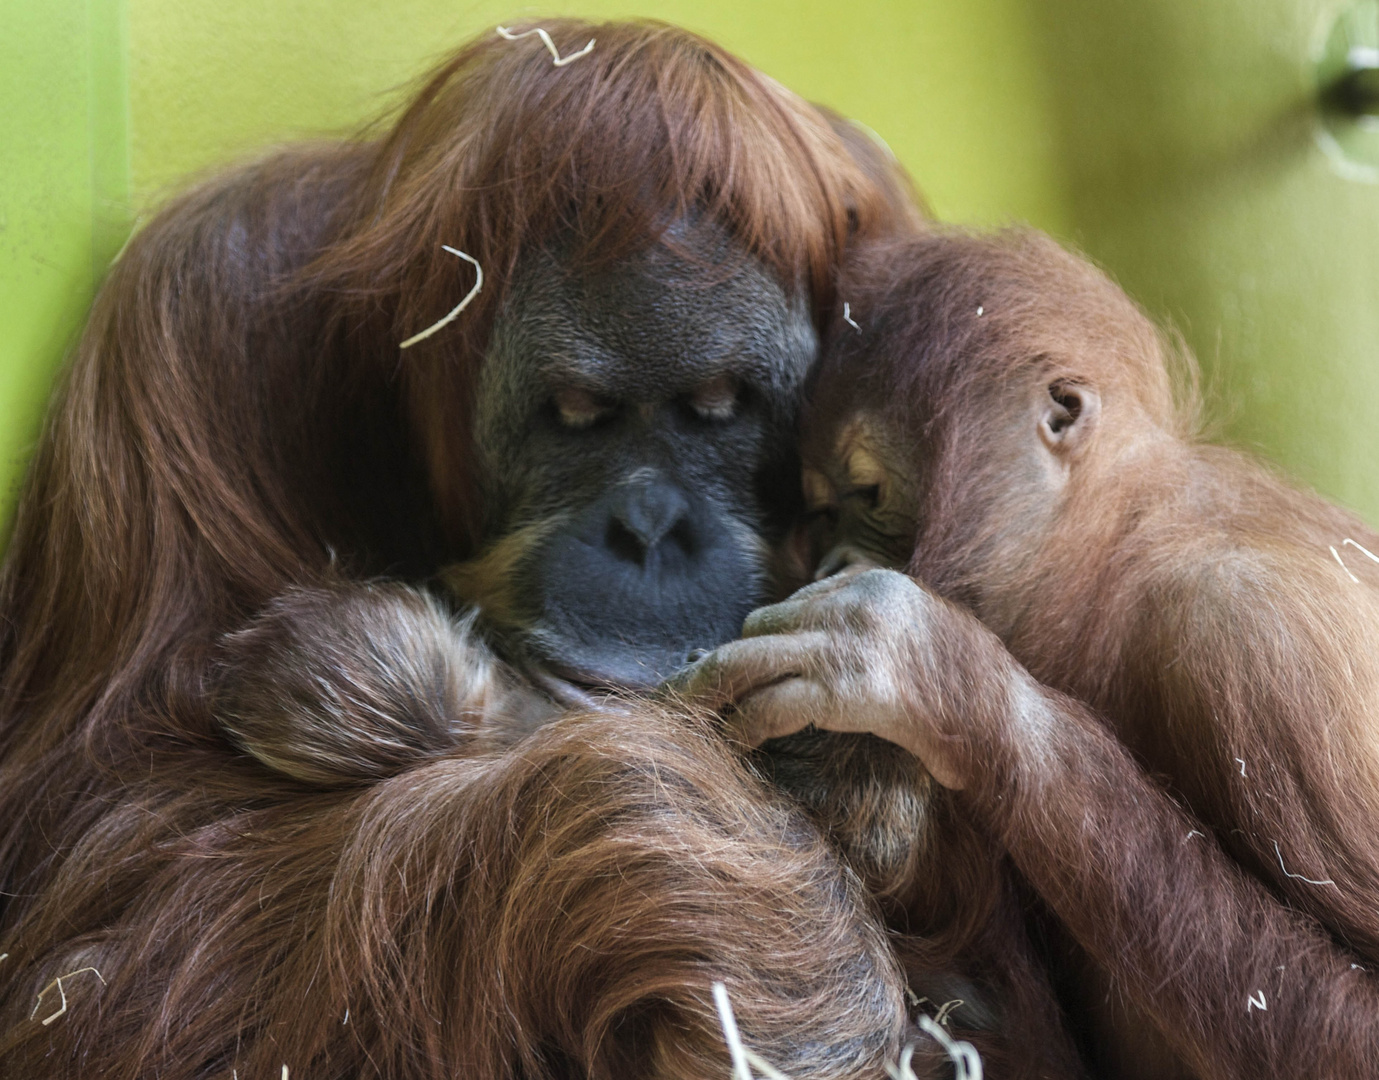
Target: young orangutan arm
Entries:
(1237, 983)
(354, 682)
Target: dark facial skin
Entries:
(635, 425)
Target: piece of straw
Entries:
(1337, 556)
(1253, 1004)
(967, 1063)
(941, 1017)
(741, 1070)
(61, 992)
(1298, 877)
(1242, 765)
(903, 1070)
(454, 313)
(1360, 548)
(847, 317)
(508, 35)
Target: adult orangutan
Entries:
(1147, 666)
(213, 863)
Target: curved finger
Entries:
(780, 709)
(845, 560)
(793, 612)
(779, 618)
(733, 671)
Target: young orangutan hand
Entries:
(860, 652)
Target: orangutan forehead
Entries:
(664, 318)
(862, 447)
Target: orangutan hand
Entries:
(870, 651)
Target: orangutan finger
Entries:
(779, 618)
(795, 611)
(782, 708)
(733, 671)
(843, 562)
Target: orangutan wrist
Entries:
(994, 733)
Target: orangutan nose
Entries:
(642, 516)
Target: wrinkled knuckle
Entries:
(892, 582)
(716, 670)
(762, 621)
(897, 594)
(704, 678)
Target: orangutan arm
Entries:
(1187, 936)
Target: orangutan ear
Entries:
(1069, 415)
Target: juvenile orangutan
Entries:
(1148, 666)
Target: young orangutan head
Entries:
(972, 389)
(988, 380)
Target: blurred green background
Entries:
(1178, 142)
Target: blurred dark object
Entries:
(1356, 91)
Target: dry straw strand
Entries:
(1256, 1001)
(1337, 555)
(903, 1070)
(455, 311)
(61, 992)
(967, 1063)
(1298, 877)
(847, 317)
(1361, 549)
(946, 1009)
(741, 1070)
(508, 35)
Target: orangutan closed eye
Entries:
(1147, 666)
(290, 818)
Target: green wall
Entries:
(1196, 173)
(1175, 140)
(64, 193)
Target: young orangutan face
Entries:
(859, 489)
(871, 477)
